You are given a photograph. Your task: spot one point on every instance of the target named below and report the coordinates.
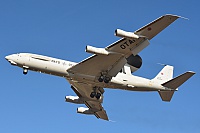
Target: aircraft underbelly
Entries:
(131, 88)
(44, 67)
(90, 80)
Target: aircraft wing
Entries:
(112, 63)
(83, 91)
(152, 29)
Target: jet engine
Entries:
(94, 50)
(125, 34)
(83, 110)
(135, 62)
(74, 99)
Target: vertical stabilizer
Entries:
(164, 75)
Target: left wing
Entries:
(83, 91)
(110, 64)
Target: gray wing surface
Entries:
(96, 64)
(112, 63)
(123, 48)
(155, 27)
(83, 91)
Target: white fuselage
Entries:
(59, 67)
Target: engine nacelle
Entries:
(74, 99)
(83, 110)
(125, 34)
(135, 62)
(94, 50)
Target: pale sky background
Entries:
(60, 28)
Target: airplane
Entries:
(109, 67)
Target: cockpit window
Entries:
(40, 58)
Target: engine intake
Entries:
(94, 50)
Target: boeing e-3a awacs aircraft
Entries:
(109, 67)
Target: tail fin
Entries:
(164, 75)
(174, 84)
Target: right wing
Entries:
(83, 91)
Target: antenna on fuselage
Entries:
(162, 64)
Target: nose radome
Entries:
(7, 57)
(11, 59)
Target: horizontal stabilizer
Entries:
(166, 95)
(178, 81)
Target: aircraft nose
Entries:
(11, 59)
(7, 57)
